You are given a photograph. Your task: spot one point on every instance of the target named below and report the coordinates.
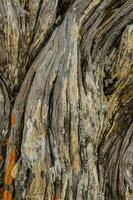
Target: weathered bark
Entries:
(66, 96)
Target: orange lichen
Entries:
(10, 165)
(57, 197)
(7, 195)
(12, 119)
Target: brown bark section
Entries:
(66, 96)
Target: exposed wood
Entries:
(66, 96)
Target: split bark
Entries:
(66, 96)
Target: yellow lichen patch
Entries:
(76, 164)
(130, 37)
(12, 119)
(7, 195)
(14, 171)
(50, 192)
(65, 151)
(9, 167)
(74, 151)
(130, 195)
(38, 185)
(126, 69)
(74, 141)
(75, 33)
(88, 9)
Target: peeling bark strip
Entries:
(66, 100)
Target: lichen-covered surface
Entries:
(66, 100)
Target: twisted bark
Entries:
(66, 96)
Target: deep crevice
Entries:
(84, 64)
(63, 6)
(49, 129)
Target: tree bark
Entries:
(66, 99)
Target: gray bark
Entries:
(66, 96)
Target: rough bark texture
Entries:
(66, 99)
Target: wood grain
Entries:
(66, 94)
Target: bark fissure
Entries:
(66, 96)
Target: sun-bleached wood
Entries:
(66, 99)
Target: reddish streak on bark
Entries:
(10, 165)
(1, 158)
(1, 191)
(7, 195)
(12, 119)
(57, 197)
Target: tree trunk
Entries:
(66, 99)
